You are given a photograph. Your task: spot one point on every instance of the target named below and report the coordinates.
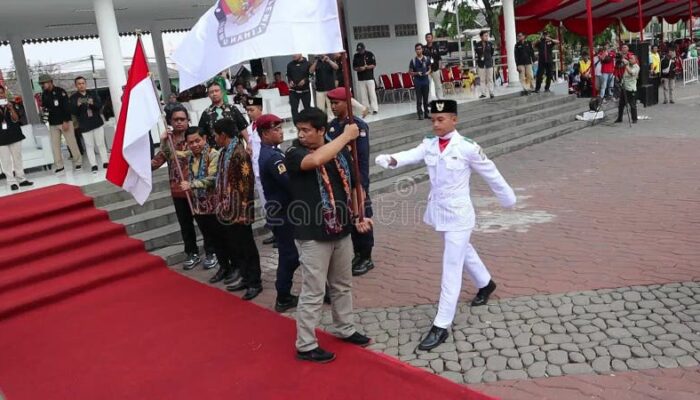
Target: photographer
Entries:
(545, 62)
(629, 88)
(325, 69)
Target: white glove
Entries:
(383, 160)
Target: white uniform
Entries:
(256, 142)
(450, 210)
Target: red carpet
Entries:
(86, 313)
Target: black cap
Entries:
(443, 106)
(254, 101)
(360, 46)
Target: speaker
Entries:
(641, 50)
(648, 95)
(256, 67)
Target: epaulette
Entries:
(429, 136)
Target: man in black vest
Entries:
(524, 57)
(432, 51)
(484, 61)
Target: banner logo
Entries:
(240, 20)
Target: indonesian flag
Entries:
(233, 31)
(130, 162)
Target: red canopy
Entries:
(533, 15)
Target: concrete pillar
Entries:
(422, 19)
(111, 50)
(25, 81)
(159, 49)
(509, 22)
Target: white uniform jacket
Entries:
(449, 204)
(255, 142)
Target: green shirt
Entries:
(629, 79)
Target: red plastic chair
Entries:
(388, 87)
(447, 81)
(456, 77)
(407, 81)
(398, 87)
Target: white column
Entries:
(111, 50)
(509, 21)
(159, 49)
(422, 19)
(25, 81)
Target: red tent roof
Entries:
(533, 15)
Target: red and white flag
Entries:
(130, 162)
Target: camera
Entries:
(618, 61)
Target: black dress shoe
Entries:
(105, 165)
(427, 115)
(358, 339)
(363, 266)
(59, 170)
(434, 338)
(237, 287)
(252, 293)
(420, 116)
(269, 240)
(218, 276)
(317, 355)
(482, 296)
(285, 303)
(232, 277)
(617, 121)
(26, 183)
(2, 176)
(14, 187)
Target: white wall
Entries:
(393, 54)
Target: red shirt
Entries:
(609, 66)
(281, 86)
(621, 71)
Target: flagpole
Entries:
(351, 119)
(178, 169)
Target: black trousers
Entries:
(294, 98)
(239, 247)
(542, 68)
(363, 243)
(189, 235)
(422, 95)
(287, 257)
(628, 98)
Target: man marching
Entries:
(450, 159)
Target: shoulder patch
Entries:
(429, 136)
(281, 169)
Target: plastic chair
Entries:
(398, 87)
(447, 81)
(407, 81)
(388, 87)
(456, 78)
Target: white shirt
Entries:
(449, 203)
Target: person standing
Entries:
(432, 51)
(240, 96)
(322, 183)
(362, 243)
(629, 88)
(86, 108)
(235, 207)
(419, 68)
(11, 144)
(298, 77)
(179, 121)
(524, 57)
(545, 61)
(364, 63)
(484, 61)
(668, 75)
(55, 101)
(451, 158)
(585, 67)
(654, 60)
(219, 110)
(325, 69)
(275, 182)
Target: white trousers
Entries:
(256, 169)
(95, 138)
(11, 160)
(459, 255)
(368, 94)
(436, 81)
(323, 103)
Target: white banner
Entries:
(233, 31)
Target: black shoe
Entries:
(362, 267)
(537, 91)
(434, 338)
(237, 287)
(358, 339)
(482, 296)
(420, 116)
(523, 93)
(14, 187)
(492, 96)
(25, 183)
(78, 167)
(2, 176)
(317, 355)
(375, 112)
(105, 165)
(59, 170)
(285, 303)
(672, 102)
(269, 240)
(94, 168)
(218, 276)
(355, 259)
(483, 96)
(427, 115)
(547, 91)
(232, 277)
(252, 293)
(617, 121)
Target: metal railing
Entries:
(690, 70)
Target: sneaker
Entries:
(210, 261)
(191, 262)
(358, 339)
(59, 170)
(14, 187)
(94, 169)
(483, 96)
(105, 165)
(25, 183)
(317, 355)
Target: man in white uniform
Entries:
(254, 109)
(450, 159)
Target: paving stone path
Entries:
(590, 332)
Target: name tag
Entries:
(55, 103)
(4, 126)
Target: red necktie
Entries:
(443, 143)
